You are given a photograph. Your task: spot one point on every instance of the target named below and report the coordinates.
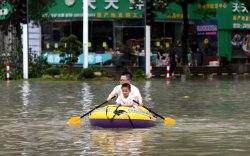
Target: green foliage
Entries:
(247, 4)
(37, 67)
(98, 69)
(104, 73)
(70, 49)
(89, 72)
(2, 73)
(47, 77)
(39, 7)
(139, 74)
(53, 71)
(14, 74)
(36, 10)
(189, 76)
(86, 73)
(69, 77)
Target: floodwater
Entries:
(212, 119)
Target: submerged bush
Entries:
(86, 73)
(53, 71)
(2, 74)
(139, 74)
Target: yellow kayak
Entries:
(113, 116)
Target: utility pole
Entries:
(148, 17)
(25, 36)
(85, 33)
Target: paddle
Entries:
(76, 120)
(166, 120)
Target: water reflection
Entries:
(25, 92)
(146, 91)
(114, 142)
(87, 96)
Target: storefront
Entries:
(110, 22)
(115, 25)
(234, 25)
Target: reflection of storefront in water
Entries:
(124, 142)
(114, 25)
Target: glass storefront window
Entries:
(116, 36)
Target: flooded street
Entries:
(212, 118)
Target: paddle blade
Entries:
(74, 120)
(169, 121)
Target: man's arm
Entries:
(138, 96)
(112, 94)
(140, 100)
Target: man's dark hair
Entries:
(127, 74)
(126, 85)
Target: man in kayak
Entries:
(126, 77)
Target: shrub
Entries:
(53, 71)
(139, 74)
(2, 74)
(37, 67)
(47, 77)
(14, 74)
(86, 73)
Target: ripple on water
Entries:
(213, 121)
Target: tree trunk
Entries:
(184, 38)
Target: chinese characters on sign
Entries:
(93, 58)
(176, 16)
(213, 6)
(103, 9)
(117, 15)
(115, 4)
(241, 17)
(239, 8)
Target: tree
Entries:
(247, 4)
(12, 25)
(70, 49)
(36, 10)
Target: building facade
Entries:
(116, 26)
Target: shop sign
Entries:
(239, 8)
(230, 15)
(207, 36)
(106, 9)
(210, 29)
(5, 9)
(240, 39)
(241, 16)
(233, 15)
(97, 9)
(93, 58)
